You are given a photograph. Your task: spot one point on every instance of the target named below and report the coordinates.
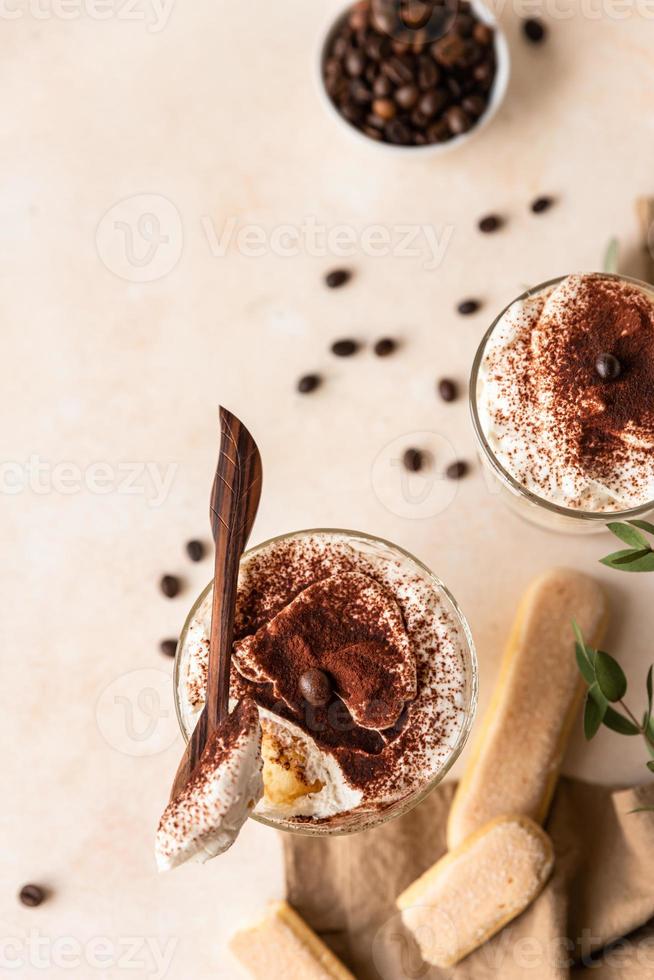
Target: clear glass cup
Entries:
(353, 822)
(533, 508)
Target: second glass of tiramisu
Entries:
(562, 400)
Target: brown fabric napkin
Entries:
(601, 891)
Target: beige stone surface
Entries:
(208, 120)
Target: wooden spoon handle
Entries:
(234, 501)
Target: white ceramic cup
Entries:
(498, 91)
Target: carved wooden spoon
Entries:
(234, 502)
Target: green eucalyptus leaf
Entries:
(629, 535)
(584, 665)
(643, 525)
(610, 677)
(650, 766)
(598, 697)
(643, 809)
(611, 256)
(618, 723)
(592, 717)
(630, 560)
(650, 686)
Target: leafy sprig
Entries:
(639, 556)
(607, 686)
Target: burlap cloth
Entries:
(590, 922)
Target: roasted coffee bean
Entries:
(360, 92)
(428, 74)
(489, 224)
(315, 687)
(398, 132)
(358, 18)
(413, 460)
(168, 647)
(474, 105)
(377, 47)
(398, 71)
(447, 389)
(400, 47)
(382, 86)
(439, 132)
(455, 471)
(337, 278)
(384, 108)
(419, 119)
(468, 307)
(344, 348)
(353, 113)
(31, 895)
(542, 204)
(195, 550)
(371, 73)
(308, 383)
(483, 34)
(608, 367)
(354, 63)
(170, 585)
(416, 14)
(407, 96)
(448, 51)
(534, 30)
(458, 120)
(464, 25)
(432, 102)
(376, 121)
(340, 48)
(454, 87)
(484, 73)
(385, 346)
(374, 134)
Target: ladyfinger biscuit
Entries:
(475, 890)
(281, 946)
(517, 753)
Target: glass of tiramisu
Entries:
(363, 671)
(562, 400)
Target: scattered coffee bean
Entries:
(315, 687)
(32, 895)
(491, 223)
(542, 204)
(608, 367)
(447, 389)
(195, 550)
(168, 647)
(385, 346)
(308, 383)
(413, 460)
(344, 348)
(337, 277)
(468, 307)
(411, 73)
(534, 30)
(455, 471)
(170, 585)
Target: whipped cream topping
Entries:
(562, 431)
(206, 817)
(412, 628)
